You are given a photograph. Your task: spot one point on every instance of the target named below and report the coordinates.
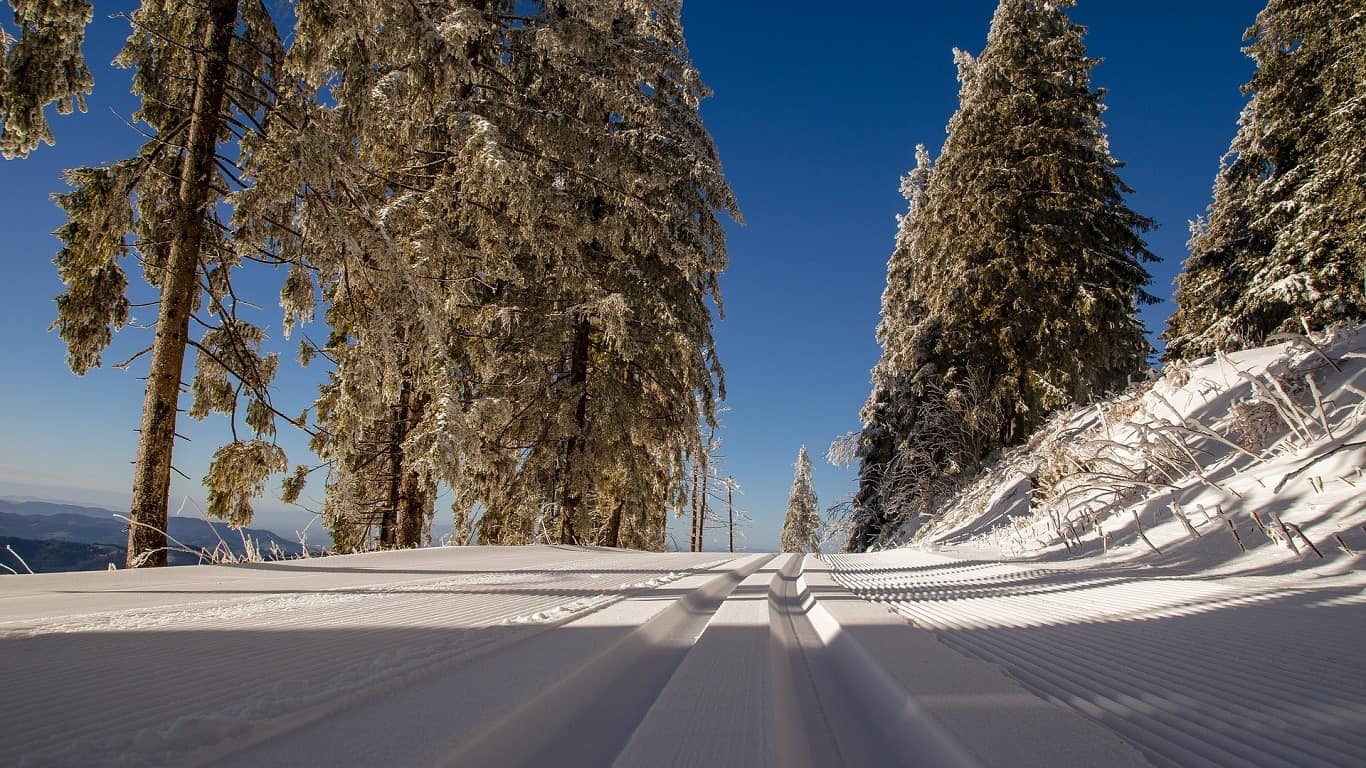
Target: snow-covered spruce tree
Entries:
(596, 355)
(483, 209)
(802, 525)
(1018, 272)
(884, 416)
(205, 75)
(1034, 259)
(393, 177)
(1284, 242)
(40, 63)
(911, 432)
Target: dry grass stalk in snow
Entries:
(1275, 430)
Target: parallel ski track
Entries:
(771, 682)
(263, 655)
(577, 658)
(727, 671)
(1194, 672)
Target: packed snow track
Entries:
(550, 656)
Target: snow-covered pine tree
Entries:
(404, 200)
(1284, 242)
(1035, 260)
(40, 63)
(802, 525)
(884, 415)
(602, 362)
(206, 74)
(522, 242)
(1018, 274)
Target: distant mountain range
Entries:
(66, 537)
(53, 556)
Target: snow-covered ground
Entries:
(1181, 563)
(577, 657)
(1194, 669)
(492, 656)
(1171, 578)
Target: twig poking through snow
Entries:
(1185, 521)
(1315, 460)
(1285, 531)
(1143, 535)
(1306, 540)
(1234, 530)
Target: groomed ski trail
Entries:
(498, 656)
(1194, 669)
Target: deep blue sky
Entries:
(816, 114)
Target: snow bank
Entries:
(1244, 459)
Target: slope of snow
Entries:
(1268, 442)
(1180, 564)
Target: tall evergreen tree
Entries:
(205, 74)
(40, 63)
(802, 524)
(884, 417)
(509, 212)
(595, 408)
(385, 173)
(1035, 260)
(516, 250)
(1284, 242)
(1018, 270)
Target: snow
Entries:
(1175, 448)
(1009, 633)
(1194, 651)
(1194, 670)
(487, 656)
(197, 662)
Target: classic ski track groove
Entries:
(585, 704)
(214, 693)
(1198, 692)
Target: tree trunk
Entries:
(179, 294)
(412, 511)
(571, 495)
(730, 514)
(613, 538)
(388, 524)
(692, 522)
(702, 505)
(412, 507)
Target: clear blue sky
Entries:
(816, 114)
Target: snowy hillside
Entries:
(1253, 458)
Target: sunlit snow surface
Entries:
(1193, 668)
(492, 656)
(583, 657)
(1195, 650)
(988, 643)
